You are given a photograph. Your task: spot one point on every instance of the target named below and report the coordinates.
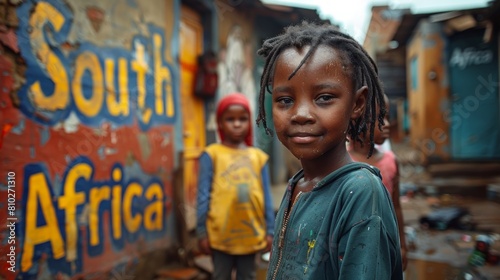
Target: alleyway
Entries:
(444, 254)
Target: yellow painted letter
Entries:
(59, 99)
(96, 196)
(89, 107)
(162, 75)
(116, 214)
(140, 66)
(153, 214)
(69, 201)
(34, 235)
(118, 103)
(132, 223)
(116, 204)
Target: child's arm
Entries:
(367, 252)
(368, 245)
(399, 215)
(205, 176)
(268, 205)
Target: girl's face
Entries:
(235, 124)
(312, 111)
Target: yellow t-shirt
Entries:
(236, 217)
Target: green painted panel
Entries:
(474, 118)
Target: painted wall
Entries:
(239, 39)
(236, 56)
(191, 42)
(428, 89)
(88, 112)
(475, 113)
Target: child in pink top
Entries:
(387, 163)
(388, 167)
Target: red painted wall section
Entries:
(88, 120)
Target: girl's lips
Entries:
(303, 138)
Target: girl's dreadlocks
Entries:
(363, 70)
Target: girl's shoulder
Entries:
(361, 186)
(365, 177)
(352, 173)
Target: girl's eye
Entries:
(284, 100)
(324, 98)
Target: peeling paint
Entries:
(145, 145)
(44, 135)
(16, 2)
(70, 124)
(19, 128)
(57, 186)
(96, 17)
(32, 152)
(113, 137)
(164, 139)
(105, 151)
(9, 39)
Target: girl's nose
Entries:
(303, 114)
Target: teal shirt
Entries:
(345, 228)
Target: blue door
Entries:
(475, 115)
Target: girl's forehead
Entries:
(298, 59)
(235, 108)
(322, 53)
(321, 49)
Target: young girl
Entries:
(387, 163)
(336, 220)
(235, 216)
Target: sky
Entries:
(354, 15)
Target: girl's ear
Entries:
(358, 108)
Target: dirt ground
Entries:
(444, 253)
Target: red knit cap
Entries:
(234, 99)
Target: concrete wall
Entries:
(89, 120)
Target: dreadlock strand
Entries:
(265, 81)
(311, 50)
